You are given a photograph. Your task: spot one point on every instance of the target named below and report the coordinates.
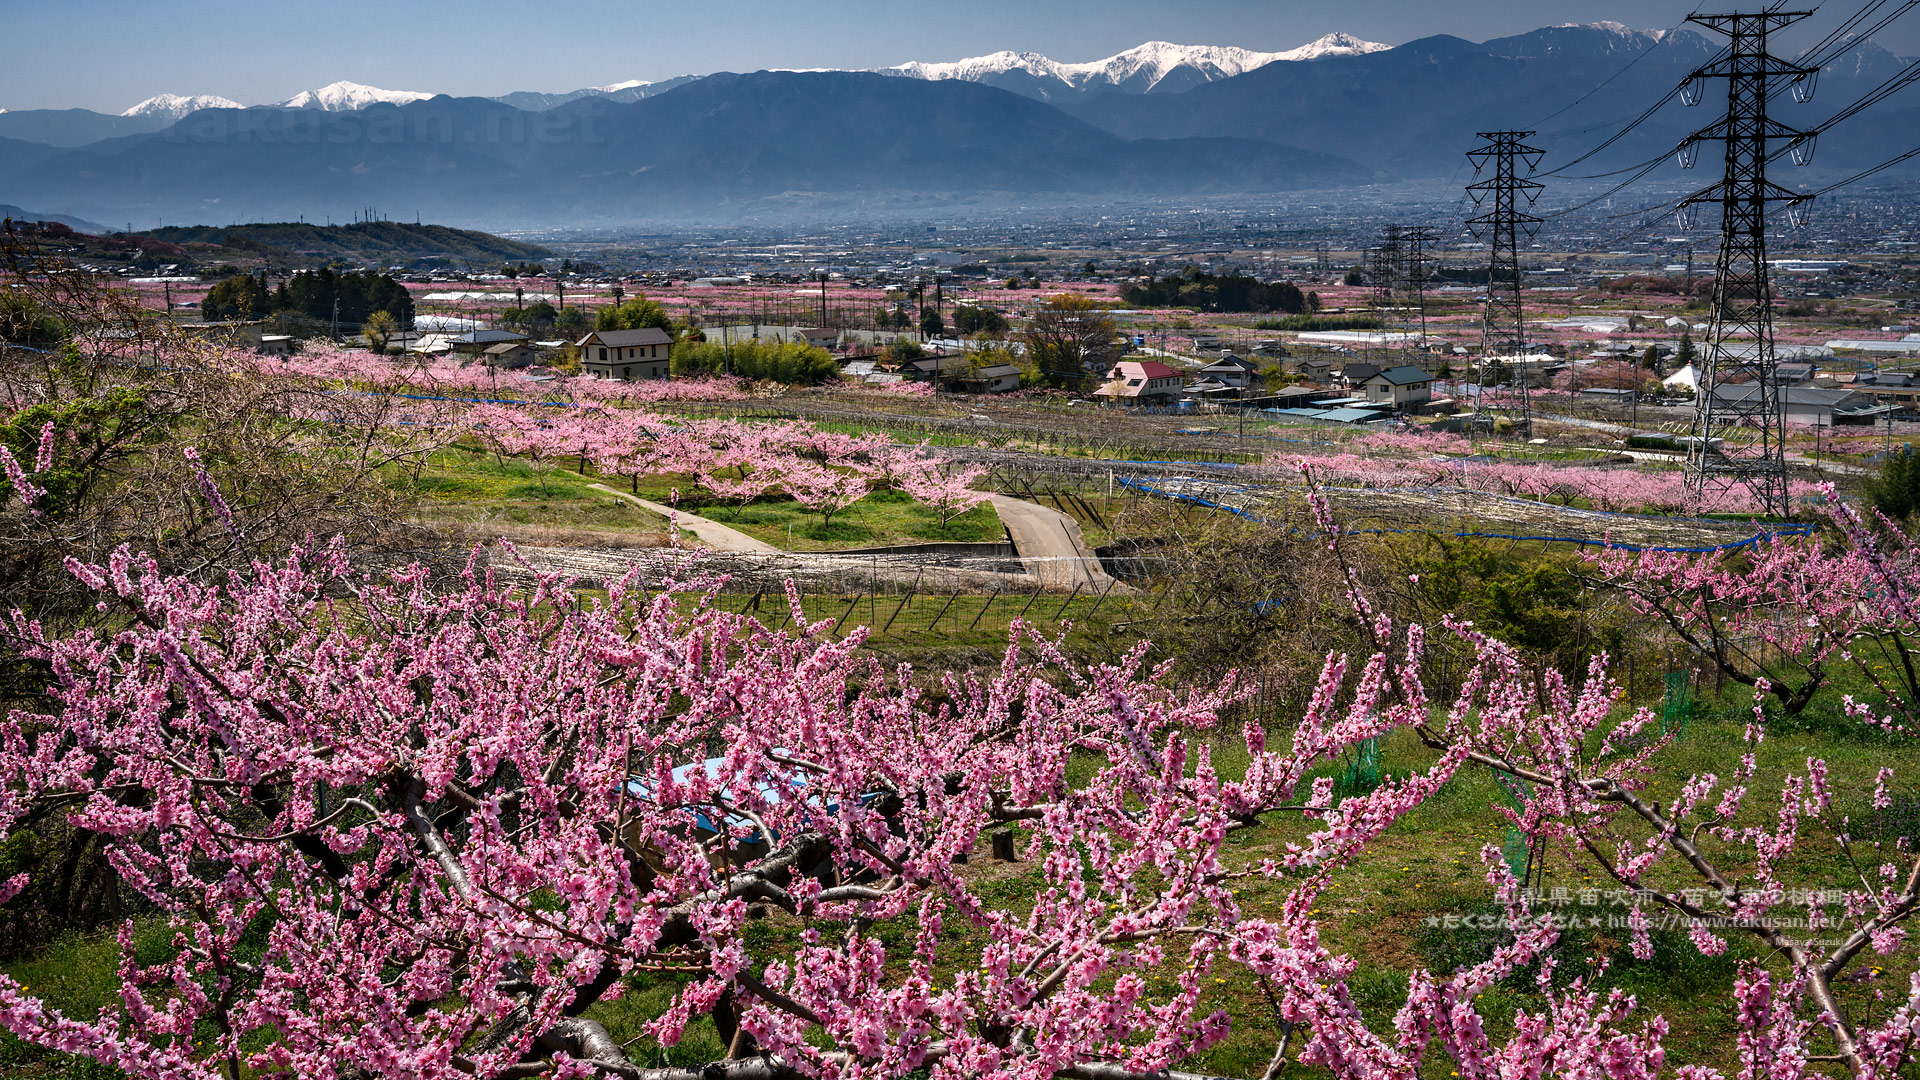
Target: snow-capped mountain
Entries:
(1156, 65)
(346, 96)
(1334, 44)
(178, 105)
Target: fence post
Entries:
(1063, 607)
(984, 607)
(935, 624)
(896, 611)
(1030, 600)
(1103, 597)
(843, 615)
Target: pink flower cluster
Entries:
(1611, 489)
(449, 375)
(464, 812)
(822, 470)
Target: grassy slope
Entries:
(527, 503)
(883, 518)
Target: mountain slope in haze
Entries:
(18, 156)
(721, 141)
(74, 223)
(624, 92)
(74, 127)
(771, 132)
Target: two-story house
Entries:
(1141, 382)
(628, 355)
(1403, 387)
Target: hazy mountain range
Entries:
(1157, 120)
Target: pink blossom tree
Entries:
(820, 488)
(462, 813)
(936, 484)
(1778, 613)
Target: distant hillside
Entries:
(8, 210)
(373, 242)
(75, 127)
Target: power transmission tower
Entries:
(1503, 337)
(1419, 241)
(1385, 273)
(1739, 410)
(1322, 263)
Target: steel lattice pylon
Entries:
(1739, 410)
(1503, 341)
(1383, 274)
(1418, 241)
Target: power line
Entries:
(1623, 132)
(1864, 173)
(1665, 35)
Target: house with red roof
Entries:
(1141, 382)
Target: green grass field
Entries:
(884, 518)
(523, 501)
(555, 501)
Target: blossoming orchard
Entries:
(354, 805)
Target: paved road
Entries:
(711, 533)
(1048, 541)
(1049, 544)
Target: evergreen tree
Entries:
(239, 297)
(1896, 491)
(971, 319)
(636, 313)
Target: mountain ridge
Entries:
(723, 141)
(743, 144)
(344, 96)
(176, 106)
(1145, 68)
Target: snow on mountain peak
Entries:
(1144, 66)
(346, 96)
(178, 105)
(1334, 44)
(1618, 29)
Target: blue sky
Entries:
(108, 54)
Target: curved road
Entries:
(1050, 544)
(709, 532)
